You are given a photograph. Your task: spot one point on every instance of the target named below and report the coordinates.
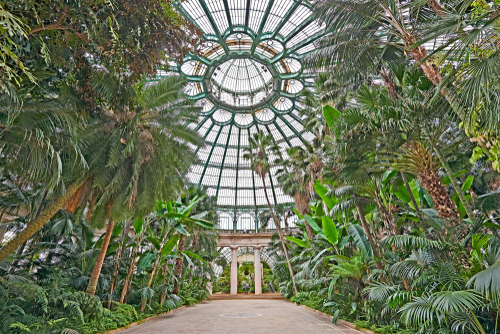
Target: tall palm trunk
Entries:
(369, 235)
(153, 272)
(442, 202)
(161, 298)
(287, 227)
(94, 278)
(302, 205)
(280, 233)
(178, 264)
(37, 223)
(118, 255)
(131, 268)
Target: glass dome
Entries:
(241, 82)
(247, 76)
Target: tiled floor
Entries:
(242, 316)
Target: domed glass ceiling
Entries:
(247, 77)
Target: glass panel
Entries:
(298, 16)
(218, 11)
(194, 9)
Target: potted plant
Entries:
(246, 287)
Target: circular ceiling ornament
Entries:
(241, 82)
(246, 76)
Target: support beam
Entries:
(223, 160)
(261, 27)
(228, 16)
(214, 25)
(209, 156)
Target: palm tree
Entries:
(298, 176)
(40, 145)
(368, 36)
(257, 153)
(281, 211)
(151, 140)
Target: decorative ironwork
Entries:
(247, 77)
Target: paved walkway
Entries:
(241, 317)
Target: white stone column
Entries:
(234, 270)
(258, 271)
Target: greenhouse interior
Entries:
(250, 166)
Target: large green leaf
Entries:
(360, 239)
(138, 224)
(188, 259)
(145, 262)
(196, 256)
(155, 242)
(299, 242)
(468, 183)
(204, 223)
(330, 230)
(322, 191)
(200, 215)
(169, 245)
(181, 229)
(331, 115)
(487, 281)
(313, 224)
(112, 248)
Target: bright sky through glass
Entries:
(247, 77)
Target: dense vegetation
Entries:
(398, 195)
(92, 164)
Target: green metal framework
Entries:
(247, 77)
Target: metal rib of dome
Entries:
(247, 77)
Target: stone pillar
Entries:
(258, 270)
(234, 270)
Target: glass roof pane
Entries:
(218, 11)
(278, 11)
(245, 83)
(304, 34)
(237, 9)
(257, 10)
(298, 16)
(194, 9)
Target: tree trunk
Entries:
(178, 264)
(94, 278)
(155, 265)
(280, 233)
(456, 186)
(37, 223)
(118, 255)
(386, 215)
(302, 205)
(131, 268)
(442, 202)
(368, 232)
(387, 77)
(408, 188)
(161, 298)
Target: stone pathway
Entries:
(242, 316)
